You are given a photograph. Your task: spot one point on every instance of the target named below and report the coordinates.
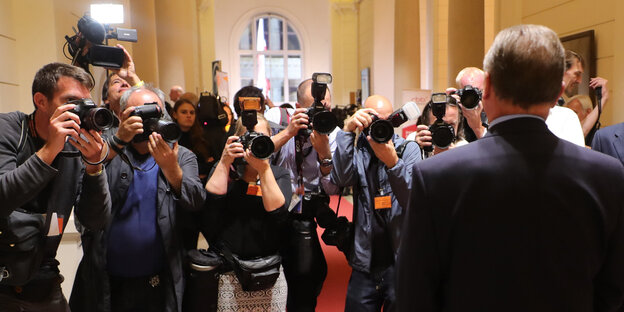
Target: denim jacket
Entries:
(351, 167)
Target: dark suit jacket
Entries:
(516, 221)
(610, 140)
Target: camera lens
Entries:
(147, 111)
(262, 147)
(99, 119)
(170, 131)
(324, 122)
(381, 131)
(442, 134)
(470, 98)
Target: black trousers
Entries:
(304, 263)
(140, 294)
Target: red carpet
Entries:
(334, 291)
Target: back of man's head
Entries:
(525, 65)
(47, 77)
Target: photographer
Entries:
(249, 214)
(137, 260)
(473, 117)
(304, 263)
(572, 78)
(40, 176)
(423, 135)
(377, 175)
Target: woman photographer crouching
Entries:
(247, 215)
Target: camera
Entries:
(151, 114)
(382, 130)
(91, 116)
(321, 119)
(86, 47)
(260, 145)
(442, 134)
(469, 96)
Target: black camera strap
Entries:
(299, 141)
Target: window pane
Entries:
(294, 67)
(293, 41)
(246, 66)
(292, 89)
(275, 34)
(274, 70)
(245, 39)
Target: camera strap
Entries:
(299, 141)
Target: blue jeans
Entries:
(371, 291)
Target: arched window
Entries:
(270, 57)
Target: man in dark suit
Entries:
(518, 220)
(610, 140)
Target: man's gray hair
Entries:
(123, 102)
(526, 65)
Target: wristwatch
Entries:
(326, 162)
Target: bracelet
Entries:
(97, 173)
(119, 141)
(139, 84)
(99, 162)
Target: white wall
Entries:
(310, 18)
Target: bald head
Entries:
(470, 76)
(175, 93)
(304, 95)
(380, 104)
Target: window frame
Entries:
(285, 53)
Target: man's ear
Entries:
(487, 87)
(40, 100)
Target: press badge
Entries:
(254, 190)
(383, 202)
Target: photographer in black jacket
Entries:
(40, 174)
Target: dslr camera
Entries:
(91, 116)
(469, 96)
(152, 114)
(260, 145)
(321, 119)
(382, 130)
(442, 134)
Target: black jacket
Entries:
(34, 185)
(518, 220)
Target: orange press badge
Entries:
(383, 202)
(254, 189)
